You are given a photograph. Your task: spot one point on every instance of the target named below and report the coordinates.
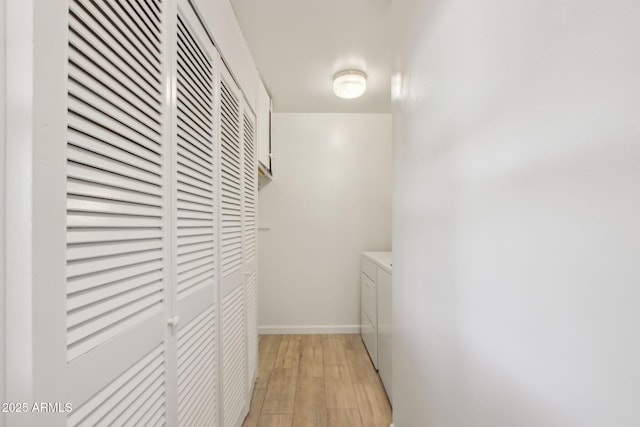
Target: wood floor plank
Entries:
(288, 353)
(311, 418)
(340, 393)
(337, 374)
(269, 343)
(352, 342)
(333, 348)
(256, 408)
(282, 377)
(278, 420)
(310, 394)
(265, 366)
(311, 362)
(310, 409)
(279, 399)
(343, 418)
(341, 396)
(314, 340)
(373, 404)
(361, 368)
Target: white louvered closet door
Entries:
(196, 214)
(250, 231)
(116, 216)
(233, 326)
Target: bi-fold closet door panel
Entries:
(235, 397)
(250, 237)
(196, 216)
(117, 217)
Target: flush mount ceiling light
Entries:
(349, 84)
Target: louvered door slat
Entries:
(189, 192)
(132, 157)
(194, 247)
(196, 274)
(199, 61)
(107, 104)
(86, 175)
(195, 92)
(129, 385)
(85, 157)
(193, 257)
(190, 179)
(136, 38)
(114, 207)
(94, 190)
(194, 203)
(85, 118)
(86, 104)
(111, 248)
(116, 39)
(87, 75)
(196, 165)
(195, 239)
(100, 236)
(233, 356)
(191, 143)
(111, 277)
(197, 381)
(119, 136)
(85, 45)
(89, 220)
(112, 322)
(78, 300)
(190, 117)
(108, 76)
(148, 9)
(146, 31)
(107, 307)
(195, 70)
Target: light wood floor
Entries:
(317, 381)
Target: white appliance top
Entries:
(383, 259)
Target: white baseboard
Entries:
(311, 329)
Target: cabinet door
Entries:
(368, 317)
(263, 133)
(232, 292)
(117, 222)
(195, 210)
(384, 329)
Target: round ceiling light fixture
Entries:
(349, 84)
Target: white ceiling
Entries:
(298, 45)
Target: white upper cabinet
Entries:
(263, 106)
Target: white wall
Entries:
(329, 201)
(2, 204)
(35, 172)
(516, 213)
